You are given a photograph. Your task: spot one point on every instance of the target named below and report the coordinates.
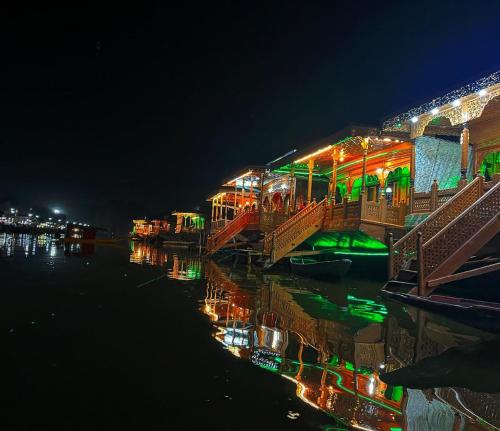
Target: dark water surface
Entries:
(131, 337)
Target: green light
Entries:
(346, 241)
(341, 386)
(359, 253)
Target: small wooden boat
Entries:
(322, 266)
(484, 315)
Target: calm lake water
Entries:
(132, 337)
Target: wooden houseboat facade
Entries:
(439, 161)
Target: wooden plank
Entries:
(464, 275)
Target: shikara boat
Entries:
(484, 315)
(322, 266)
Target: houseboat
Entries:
(428, 176)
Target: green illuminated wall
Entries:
(348, 241)
(490, 165)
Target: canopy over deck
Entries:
(347, 147)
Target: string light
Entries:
(479, 87)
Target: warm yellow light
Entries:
(237, 178)
(313, 155)
(342, 155)
(364, 143)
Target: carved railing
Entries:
(271, 220)
(287, 236)
(218, 224)
(406, 247)
(230, 230)
(383, 213)
(442, 245)
(430, 201)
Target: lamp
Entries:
(382, 174)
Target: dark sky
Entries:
(115, 110)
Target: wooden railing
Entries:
(230, 230)
(406, 247)
(271, 220)
(383, 213)
(344, 216)
(218, 224)
(448, 240)
(427, 202)
(295, 230)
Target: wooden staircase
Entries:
(220, 238)
(294, 231)
(431, 253)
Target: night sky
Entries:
(111, 111)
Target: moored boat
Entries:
(322, 267)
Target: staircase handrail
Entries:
(406, 247)
(438, 248)
(273, 240)
(224, 234)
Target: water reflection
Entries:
(179, 266)
(29, 245)
(367, 364)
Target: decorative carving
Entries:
(441, 246)
(290, 234)
(471, 103)
(405, 249)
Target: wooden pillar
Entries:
(412, 175)
(334, 176)
(363, 178)
(464, 142)
(420, 262)
(261, 189)
(235, 203)
(310, 166)
(434, 196)
(251, 195)
(390, 260)
(291, 205)
(213, 209)
(225, 207)
(243, 192)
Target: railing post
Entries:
(481, 185)
(434, 196)
(420, 262)
(390, 260)
(363, 205)
(403, 210)
(412, 200)
(383, 208)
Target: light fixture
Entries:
(414, 119)
(482, 92)
(342, 155)
(57, 211)
(456, 103)
(364, 143)
(388, 190)
(434, 111)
